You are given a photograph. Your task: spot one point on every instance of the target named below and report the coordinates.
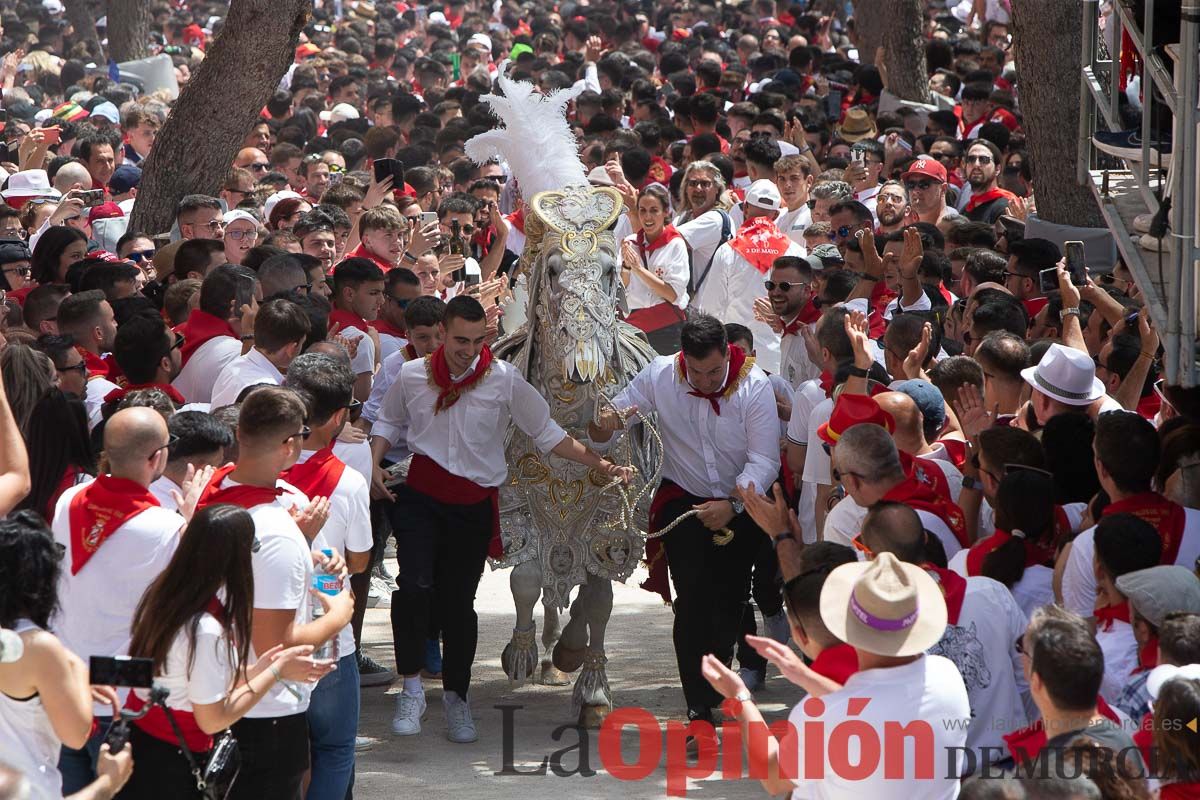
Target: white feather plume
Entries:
(536, 140)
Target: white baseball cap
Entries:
(762, 193)
(340, 113)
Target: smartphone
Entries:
(857, 154)
(90, 197)
(428, 218)
(52, 135)
(385, 167)
(1048, 280)
(834, 103)
(137, 673)
(245, 294)
(1076, 263)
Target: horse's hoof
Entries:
(506, 662)
(552, 676)
(591, 717)
(568, 659)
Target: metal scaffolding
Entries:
(1168, 279)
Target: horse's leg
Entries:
(520, 654)
(592, 699)
(569, 651)
(551, 628)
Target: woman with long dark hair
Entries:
(60, 450)
(194, 624)
(58, 248)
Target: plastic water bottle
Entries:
(325, 583)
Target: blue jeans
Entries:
(78, 767)
(332, 726)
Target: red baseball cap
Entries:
(851, 410)
(928, 166)
(109, 210)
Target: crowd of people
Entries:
(942, 466)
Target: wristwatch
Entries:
(785, 535)
(970, 482)
(743, 696)
(859, 372)
(408, 257)
(738, 505)
(1068, 312)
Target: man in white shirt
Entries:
(741, 264)
(327, 385)
(401, 287)
(280, 328)
(358, 288)
(717, 416)
(702, 224)
(456, 405)
(88, 317)
(274, 733)
(793, 176)
(116, 540)
(984, 623)
(213, 333)
(198, 440)
(789, 289)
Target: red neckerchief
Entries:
(810, 313)
(918, 491)
(954, 590)
(362, 252)
(837, 663)
(97, 367)
(166, 388)
(668, 234)
(1034, 305)
(1179, 791)
(319, 475)
(760, 242)
(347, 319)
(410, 352)
(738, 366)
(1028, 742)
(825, 381)
(383, 326)
(198, 329)
(242, 495)
(956, 449)
(1168, 519)
(881, 296)
(983, 198)
(1105, 617)
(1035, 553)
(99, 509)
(448, 390)
(1147, 655)
(517, 219)
(793, 328)
(655, 558)
(1147, 408)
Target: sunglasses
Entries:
(303, 433)
(400, 301)
(704, 185)
(171, 440)
(179, 340)
(22, 271)
(354, 406)
(921, 185)
(212, 225)
(138, 256)
(985, 159)
(783, 286)
(841, 233)
(15, 233)
(258, 167)
(81, 368)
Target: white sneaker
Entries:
(460, 727)
(410, 710)
(777, 627)
(1148, 242)
(1141, 223)
(380, 589)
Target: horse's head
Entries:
(575, 267)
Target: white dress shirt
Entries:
(466, 439)
(243, 371)
(670, 263)
(384, 379)
(794, 364)
(198, 376)
(389, 344)
(729, 293)
(794, 222)
(708, 454)
(161, 489)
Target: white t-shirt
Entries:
(93, 401)
(348, 528)
(389, 344)
(97, 604)
(364, 358)
(161, 489)
(195, 381)
(928, 691)
(703, 236)
(807, 397)
(670, 263)
(794, 222)
(1120, 649)
(211, 674)
(816, 460)
(248, 370)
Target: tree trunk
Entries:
(128, 29)
(83, 21)
(1047, 40)
(897, 26)
(240, 71)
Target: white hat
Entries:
(1169, 672)
(1066, 375)
(885, 606)
(599, 177)
(28, 184)
(54, 6)
(762, 193)
(108, 111)
(230, 217)
(274, 199)
(340, 113)
(481, 39)
(437, 18)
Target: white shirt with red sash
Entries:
(320, 473)
(466, 439)
(106, 569)
(666, 257)
(1079, 579)
(208, 347)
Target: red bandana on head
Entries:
(166, 388)
(438, 372)
(1168, 519)
(99, 509)
(199, 328)
(760, 243)
(739, 365)
(241, 495)
(319, 475)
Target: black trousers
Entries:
(274, 757)
(441, 549)
(161, 770)
(766, 587)
(712, 584)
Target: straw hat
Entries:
(857, 125)
(885, 607)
